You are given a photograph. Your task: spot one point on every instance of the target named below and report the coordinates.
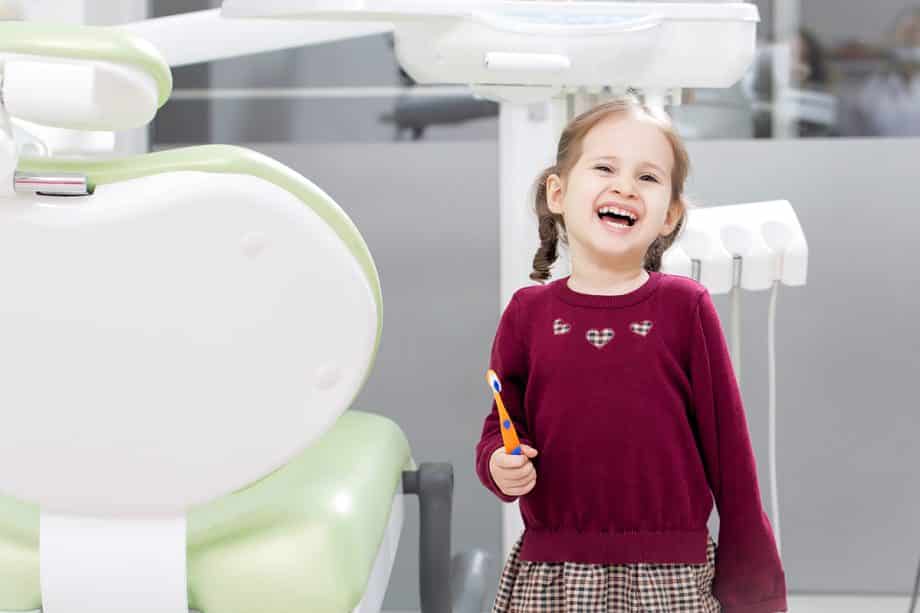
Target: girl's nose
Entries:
(623, 188)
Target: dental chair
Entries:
(182, 335)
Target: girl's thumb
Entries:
(529, 451)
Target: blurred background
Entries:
(824, 69)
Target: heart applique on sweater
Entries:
(599, 338)
(642, 328)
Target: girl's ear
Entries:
(677, 209)
(554, 193)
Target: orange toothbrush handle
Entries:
(509, 435)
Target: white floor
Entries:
(830, 604)
(848, 604)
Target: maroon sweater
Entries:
(636, 431)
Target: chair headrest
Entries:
(109, 79)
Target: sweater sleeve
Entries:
(749, 575)
(509, 361)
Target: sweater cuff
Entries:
(774, 605)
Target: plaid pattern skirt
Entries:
(545, 587)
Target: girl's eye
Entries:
(652, 178)
(604, 168)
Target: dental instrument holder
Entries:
(742, 245)
(737, 267)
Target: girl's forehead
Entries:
(630, 138)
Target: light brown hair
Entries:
(551, 226)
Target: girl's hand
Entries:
(513, 474)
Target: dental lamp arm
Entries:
(204, 36)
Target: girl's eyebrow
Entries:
(655, 167)
(614, 158)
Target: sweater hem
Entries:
(615, 547)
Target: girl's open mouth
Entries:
(614, 216)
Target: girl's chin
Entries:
(606, 251)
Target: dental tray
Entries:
(647, 45)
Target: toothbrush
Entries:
(509, 436)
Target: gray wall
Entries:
(871, 22)
(846, 342)
(836, 21)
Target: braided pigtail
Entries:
(662, 243)
(550, 228)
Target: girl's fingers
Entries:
(522, 489)
(517, 476)
(503, 460)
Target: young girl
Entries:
(618, 381)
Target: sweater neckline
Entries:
(570, 296)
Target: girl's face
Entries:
(616, 200)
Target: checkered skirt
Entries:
(544, 587)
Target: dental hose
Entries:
(736, 331)
(771, 365)
(913, 597)
(771, 359)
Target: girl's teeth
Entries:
(608, 209)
